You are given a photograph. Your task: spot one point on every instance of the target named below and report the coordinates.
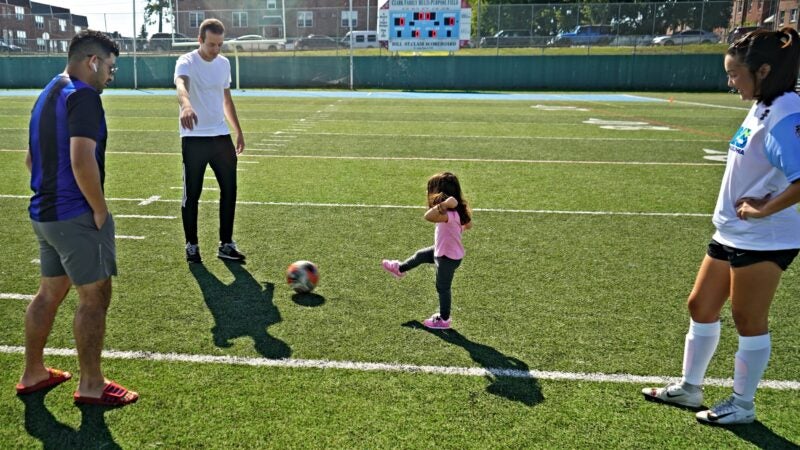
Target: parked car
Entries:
(316, 42)
(163, 41)
(508, 38)
(585, 35)
(687, 37)
(738, 32)
(10, 48)
(246, 44)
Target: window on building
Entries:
(346, 15)
(196, 18)
(272, 4)
(20, 12)
(64, 45)
(305, 19)
(22, 38)
(39, 22)
(62, 24)
(740, 5)
(793, 15)
(782, 18)
(240, 19)
(40, 44)
(78, 29)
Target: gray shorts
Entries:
(77, 249)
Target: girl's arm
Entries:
(757, 208)
(438, 213)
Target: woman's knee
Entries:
(702, 310)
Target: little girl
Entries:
(449, 211)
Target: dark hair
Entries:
(443, 185)
(91, 42)
(778, 49)
(212, 25)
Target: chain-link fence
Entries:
(298, 29)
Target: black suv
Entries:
(163, 41)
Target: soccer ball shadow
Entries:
(309, 299)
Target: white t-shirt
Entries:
(207, 82)
(763, 158)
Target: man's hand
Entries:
(240, 144)
(188, 118)
(100, 218)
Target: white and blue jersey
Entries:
(763, 159)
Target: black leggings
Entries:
(445, 270)
(198, 152)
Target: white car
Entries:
(255, 43)
(687, 37)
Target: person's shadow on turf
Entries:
(42, 425)
(242, 308)
(762, 437)
(508, 377)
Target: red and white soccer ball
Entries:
(302, 276)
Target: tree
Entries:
(160, 8)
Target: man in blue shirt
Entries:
(66, 158)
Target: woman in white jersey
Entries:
(758, 227)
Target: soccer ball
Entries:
(302, 276)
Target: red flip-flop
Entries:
(113, 395)
(56, 377)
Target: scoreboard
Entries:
(421, 25)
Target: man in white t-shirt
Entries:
(203, 80)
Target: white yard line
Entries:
(413, 158)
(7, 296)
(398, 367)
(366, 206)
(139, 216)
(122, 236)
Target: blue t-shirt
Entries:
(66, 108)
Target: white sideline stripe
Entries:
(524, 161)
(149, 200)
(361, 205)
(36, 261)
(122, 236)
(709, 105)
(400, 158)
(139, 216)
(16, 296)
(440, 136)
(397, 367)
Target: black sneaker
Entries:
(193, 253)
(230, 252)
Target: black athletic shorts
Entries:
(741, 258)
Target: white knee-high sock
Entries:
(701, 343)
(751, 361)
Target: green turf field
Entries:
(585, 245)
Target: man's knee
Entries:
(97, 294)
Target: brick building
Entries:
(265, 17)
(770, 14)
(38, 27)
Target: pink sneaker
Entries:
(435, 322)
(393, 267)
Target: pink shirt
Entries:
(447, 237)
